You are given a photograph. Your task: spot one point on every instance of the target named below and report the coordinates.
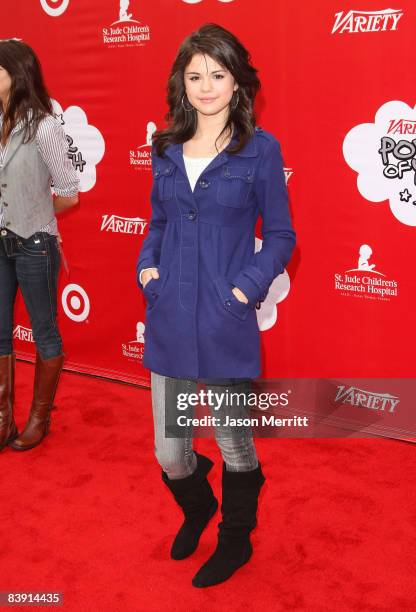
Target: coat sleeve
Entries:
(278, 235)
(149, 256)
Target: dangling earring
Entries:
(188, 110)
(236, 104)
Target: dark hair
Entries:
(27, 91)
(222, 46)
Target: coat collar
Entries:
(175, 153)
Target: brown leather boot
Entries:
(47, 373)
(8, 429)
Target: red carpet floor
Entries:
(86, 514)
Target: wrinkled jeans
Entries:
(33, 265)
(175, 454)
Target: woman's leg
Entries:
(235, 442)
(174, 454)
(242, 479)
(8, 288)
(37, 269)
(38, 263)
(184, 471)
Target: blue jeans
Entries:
(175, 454)
(33, 265)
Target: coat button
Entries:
(228, 302)
(192, 215)
(204, 184)
(4, 184)
(7, 223)
(5, 204)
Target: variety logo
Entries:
(288, 173)
(126, 31)
(141, 156)
(54, 8)
(278, 291)
(86, 144)
(402, 126)
(364, 280)
(76, 303)
(366, 399)
(385, 160)
(134, 349)
(123, 225)
(366, 21)
(23, 333)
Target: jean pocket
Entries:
(228, 300)
(34, 245)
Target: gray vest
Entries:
(25, 192)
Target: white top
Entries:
(194, 167)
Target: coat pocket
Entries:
(228, 299)
(235, 185)
(165, 178)
(155, 286)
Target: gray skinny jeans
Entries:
(175, 454)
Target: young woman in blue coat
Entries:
(214, 172)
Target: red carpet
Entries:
(86, 514)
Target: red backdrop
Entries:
(336, 92)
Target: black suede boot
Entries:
(240, 491)
(196, 498)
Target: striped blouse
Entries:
(53, 147)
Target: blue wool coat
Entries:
(202, 243)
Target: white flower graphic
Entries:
(86, 143)
(279, 290)
(383, 175)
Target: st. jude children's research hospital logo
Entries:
(141, 154)
(364, 280)
(126, 30)
(134, 349)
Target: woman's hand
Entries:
(241, 297)
(148, 274)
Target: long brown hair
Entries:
(27, 92)
(222, 46)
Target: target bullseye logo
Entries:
(54, 8)
(75, 302)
